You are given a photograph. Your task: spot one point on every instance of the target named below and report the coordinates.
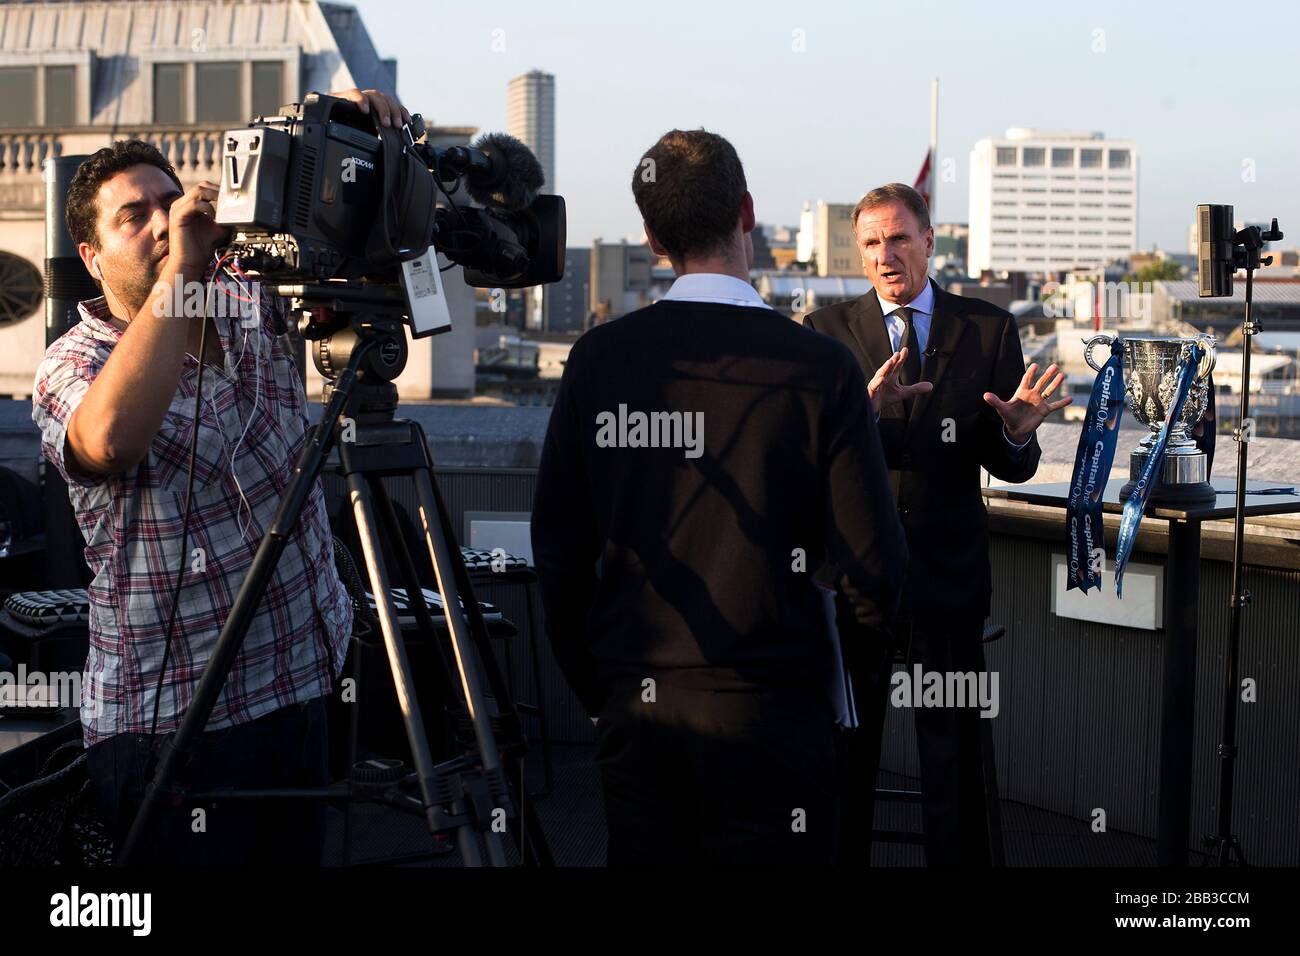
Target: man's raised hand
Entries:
(385, 108)
(1029, 406)
(192, 231)
(884, 389)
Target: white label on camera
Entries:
(426, 303)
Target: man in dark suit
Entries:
(709, 454)
(947, 379)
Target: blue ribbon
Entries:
(1152, 470)
(1085, 543)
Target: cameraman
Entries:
(114, 399)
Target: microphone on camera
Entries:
(504, 174)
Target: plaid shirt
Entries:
(132, 526)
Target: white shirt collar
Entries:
(713, 287)
(924, 302)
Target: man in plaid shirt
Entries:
(114, 400)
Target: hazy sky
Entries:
(1207, 89)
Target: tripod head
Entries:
(1248, 242)
(345, 320)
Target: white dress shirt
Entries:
(714, 287)
(922, 312)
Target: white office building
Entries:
(1051, 201)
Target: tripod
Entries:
(472, 795)
(1223, 845)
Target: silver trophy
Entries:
(1150, 380)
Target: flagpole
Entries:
(934, 146)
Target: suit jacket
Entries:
(935, 455)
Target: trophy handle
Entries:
(1087, 349)
(1210, 358)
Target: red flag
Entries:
(922, 184)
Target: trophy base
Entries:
(1183, 479)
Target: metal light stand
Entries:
(1223, 846)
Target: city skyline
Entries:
(777, 80)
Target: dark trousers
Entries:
(717, 778)
(287, 748)
(953, 807)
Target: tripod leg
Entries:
(478, 783)
(468, 663)
(458, 613)
(450, 572)
(443, 688)
(396, 649)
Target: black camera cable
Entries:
(189, 500)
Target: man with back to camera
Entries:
(114, 400)
(936, 365)
(708, 453)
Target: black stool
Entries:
(993, 810)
